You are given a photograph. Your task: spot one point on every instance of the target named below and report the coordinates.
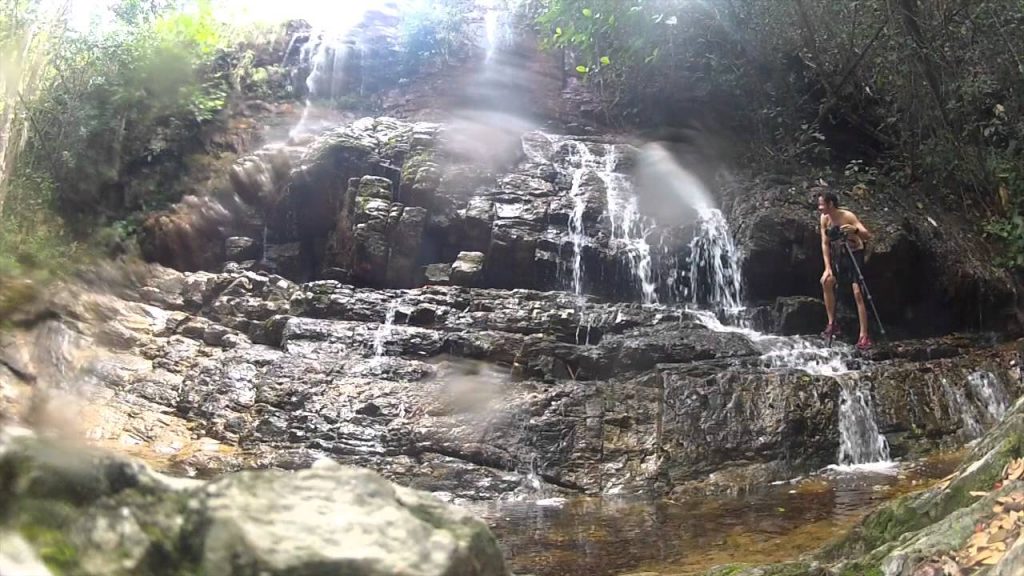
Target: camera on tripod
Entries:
(835, 233)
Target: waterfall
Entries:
(715, 265)
(958, 401)
(497, 28)
(327, 54)
(859, 439)
(786, 352)
(384, 331)
(628, 228)
(584, 161)
(989, 393)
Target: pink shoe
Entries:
(831, 331)
(864, 343)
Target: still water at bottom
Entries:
(606, 536)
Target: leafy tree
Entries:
(918, 92)
(118, 100)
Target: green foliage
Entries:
(33, 240)
(1008, 230)
(121, 97)
(909, 92)
(433, 33)
(611, 43)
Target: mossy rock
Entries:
(916, 511)
(785, 569)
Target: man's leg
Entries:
(828, 287)
(862, 311)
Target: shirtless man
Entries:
(842, 271)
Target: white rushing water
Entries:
(957, 399)
(786, 352)
(498, 30)
(989, 393)
(327, 53)
(628, 227)
(860, 442)
(583, 161)
(384, 331)
(715, 276)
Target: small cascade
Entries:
(786, 352)
(327, 54)
(584, 161)
(715, 265)
(859, 439)
(497, 28)
(958, 401)
(987, 390)
(629, 229)
(385, 331)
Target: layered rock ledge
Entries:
(466, 391)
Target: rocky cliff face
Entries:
(387, 204)
(471, 391)
(486, 317)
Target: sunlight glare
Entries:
(327, 16)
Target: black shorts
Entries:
(845, 273)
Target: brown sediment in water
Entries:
(606, 537)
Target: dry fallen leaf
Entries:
(1015, 469)
(979, 557)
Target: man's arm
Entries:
(862, 230)
(825, 252)
(857, 228)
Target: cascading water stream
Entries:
(785, 352)
(989, 393)
(584, 161)
(860, 442)
(629, 230)
(385, 331)
(972, 428)
(716, 283)
(715, 265)
(497, 28)
(327, 53)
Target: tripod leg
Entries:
(864, 287)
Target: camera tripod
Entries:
(863, 287)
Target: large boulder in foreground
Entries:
(86, 512)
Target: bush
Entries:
(433, 32)
(118, 100)
(1008, 230)
(34, 242)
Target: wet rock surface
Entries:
(926, 533)
(94, 513)
(470, 391)
(377, 201)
